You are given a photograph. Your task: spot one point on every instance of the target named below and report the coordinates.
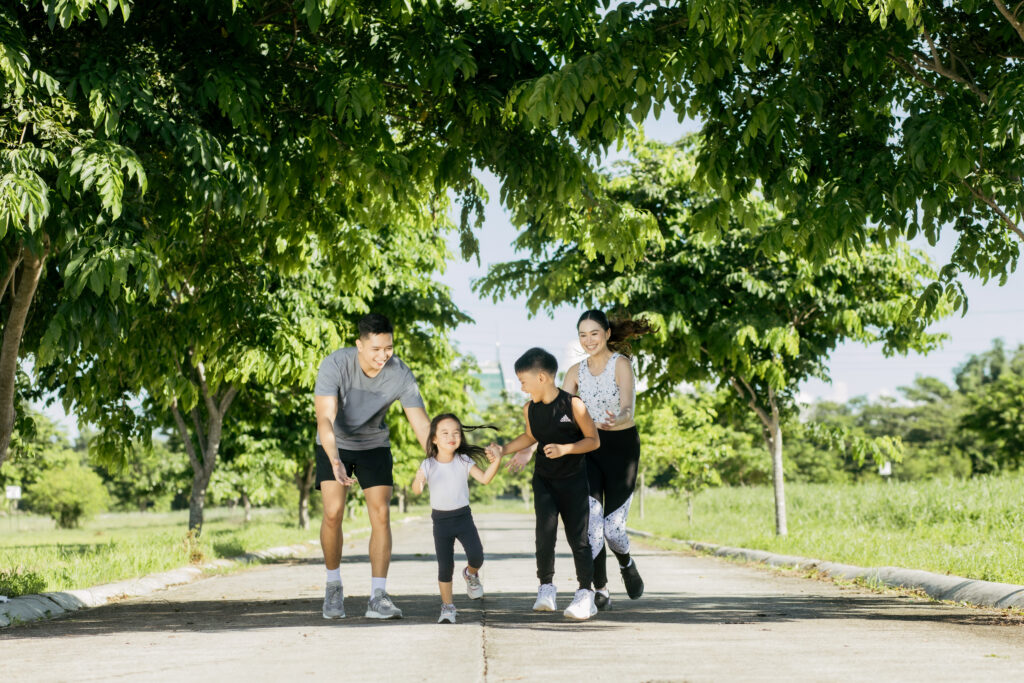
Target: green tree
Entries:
(682, 443)
(995, 407)
(860, 122)
(727, 311)
(279, 131)
(68, 495)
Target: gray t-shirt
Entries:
(362, 400)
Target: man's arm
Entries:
(326, 412)
(420, 424)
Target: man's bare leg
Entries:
(378, 500)
(332, 537)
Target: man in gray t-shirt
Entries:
(354, 389)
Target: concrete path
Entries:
(701, 619)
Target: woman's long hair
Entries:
(623, 327)
(477, 453)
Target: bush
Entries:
(68, 495)
(18, 581)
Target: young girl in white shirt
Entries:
(445, 471)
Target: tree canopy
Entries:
(859, 122)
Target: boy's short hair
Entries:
(537, 360)
(374, 323)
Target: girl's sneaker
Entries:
(582, 607)
(474, 589)
(545, 598)
(447, 614)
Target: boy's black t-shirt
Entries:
(554, 423)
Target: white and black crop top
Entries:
(600, 393)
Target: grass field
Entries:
(126, 545)
(972, 528)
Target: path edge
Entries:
(938, 586)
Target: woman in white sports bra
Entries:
(605, 382)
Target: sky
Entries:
(504, 329)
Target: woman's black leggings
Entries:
(568, 498)
(612, 470)
(450, 525)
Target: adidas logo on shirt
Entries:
(565, 418)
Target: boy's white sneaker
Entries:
(582, 607)
(546, 595)
(474, 588)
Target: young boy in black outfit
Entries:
(563, 430)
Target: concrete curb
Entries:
(938, 586)
(48, 605)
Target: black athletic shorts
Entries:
(370, 468)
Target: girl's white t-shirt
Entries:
(448, 482)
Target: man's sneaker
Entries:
(334, 602)
(631, 578)
(602, 600)
(381, 607)
(546, 595)
(474, 589)
(447, 614)
(582, 607)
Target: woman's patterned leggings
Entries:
(612, 470)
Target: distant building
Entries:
(492, 384)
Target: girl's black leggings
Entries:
(450, 525)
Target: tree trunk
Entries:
(247, 506)
(772, 431)
(689, 507)
(403, 500)
(775, 447)
(203, 459)
(23, 289)
(304, 481)
(197, 501)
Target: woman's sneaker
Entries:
(602, 600)
(447, 614)
(334, 601)
(631, 578)
(582, 607)
(546, 595)
(474, 589)
(381, 607)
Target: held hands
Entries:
(493, 452)
(340, 474)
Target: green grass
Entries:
(972, 528)
(119, 546)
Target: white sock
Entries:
(334, 575)
(378, 582)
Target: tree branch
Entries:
(9, 277)
(226, 399)
(751, 399)
(190, 447)
(200, 436)
(1010, 17)
(1010, 223)
(915, 74)
(938, 67)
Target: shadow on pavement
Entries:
(497, 610)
